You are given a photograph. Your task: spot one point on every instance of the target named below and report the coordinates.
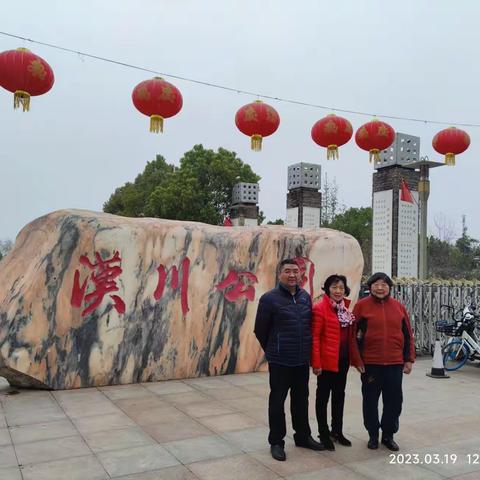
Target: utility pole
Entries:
(423, 194)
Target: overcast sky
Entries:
(411, 58)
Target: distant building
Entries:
(395, 222)
(304, 200)
(244, 208)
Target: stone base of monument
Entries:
(91, 299)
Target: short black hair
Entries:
(334, 279)
(286, 261)
(379, 276)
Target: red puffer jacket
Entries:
(326, 337)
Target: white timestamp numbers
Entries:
(473, 458)
(432, 458)
(423, 459)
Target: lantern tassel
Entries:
(22, 98)
(256, 142)
(156, 124)
(374, 155)
(450, 159)
(332, 152)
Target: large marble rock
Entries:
(90, 299)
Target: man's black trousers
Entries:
(283, 379)
(385, 380)
(331, 382)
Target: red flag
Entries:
(227, 222)
(405, 193)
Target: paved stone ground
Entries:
(215, 428)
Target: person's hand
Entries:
(407, 367)
(317, 371)
(361, 369)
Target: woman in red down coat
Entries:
(332, 355)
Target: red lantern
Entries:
(25, 75)
(157, 99)
(374, 137)
(257, 120)
(332, 132)
(450, 142)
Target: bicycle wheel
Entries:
(455, 354)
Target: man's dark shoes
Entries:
(338, 437)
(372, 443)
(278, 452)
(327, 442)
(390, 443)
(310, 443)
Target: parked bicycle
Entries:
(464, 342)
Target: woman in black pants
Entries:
(332, 337)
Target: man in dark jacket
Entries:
(282, 327)
(387, 349)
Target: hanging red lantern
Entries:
(257, 120)
(157, 99)
(450, 142)
(25, 75)
(374, 137)
(332, 132)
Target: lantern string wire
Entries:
(83, 55)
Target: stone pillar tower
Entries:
(395, 222)
(244, 209)
(304, 200)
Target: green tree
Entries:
(358, 223)
(278, 221)
(457, 260)
(440, 255)
(466, 255)
(260, 217)
(5, 247)
(200, 189)
(131, 199)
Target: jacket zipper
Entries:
(301, 328)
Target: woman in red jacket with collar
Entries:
(332, 354)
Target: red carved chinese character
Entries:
(103, 277)
(174, 282)
(302, 263)
(241, 284)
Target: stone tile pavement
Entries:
(215, 428)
